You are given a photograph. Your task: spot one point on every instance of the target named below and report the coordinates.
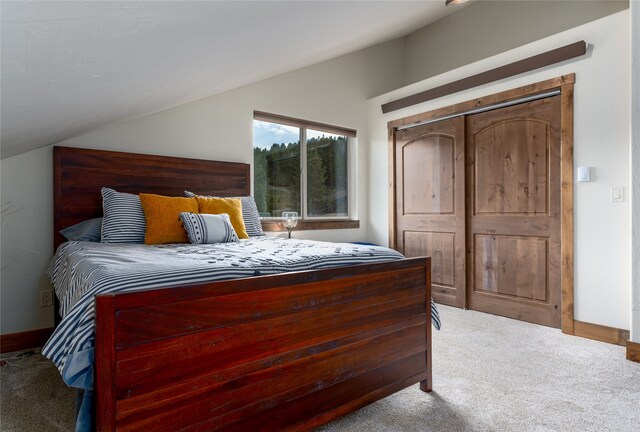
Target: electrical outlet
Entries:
(46, 298)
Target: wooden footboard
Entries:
(270, 353)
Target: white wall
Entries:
(601, 140)
(27, 240)
(635, 168)
(218, 127)
(486, 28)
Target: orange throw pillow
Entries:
(230, 206)
(162, 214)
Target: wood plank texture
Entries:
(429, 206)
(513, 184)
(528, 203)
(391, 140)
(289, 351)
(426, 385)
(79, 174)
(566, 206)
(513, 156)
(491, 99)
(105, 364)
(633, 351)
(428, 175)
(24, 340)
(303, 225)
(511, 266)
(601, 333)
(440, 247)
(557, 55)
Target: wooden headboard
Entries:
(79, 174)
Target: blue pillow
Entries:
(123, 218)
(88, 231)
(208, 228)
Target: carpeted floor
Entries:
(490, 374)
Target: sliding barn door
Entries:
(513, 189)
(429, 199)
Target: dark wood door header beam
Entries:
(557, 55)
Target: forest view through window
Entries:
(300, 169)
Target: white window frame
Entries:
(303, 125)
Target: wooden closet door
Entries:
(430, 203)
(513, 205)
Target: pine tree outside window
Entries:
(300, 166)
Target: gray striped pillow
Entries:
(250, 214)
(208, 228)
(123, 217)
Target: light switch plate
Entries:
(617, 194)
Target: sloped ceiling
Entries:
(71, 67)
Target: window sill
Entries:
(304, 225)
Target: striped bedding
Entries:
(80, 270)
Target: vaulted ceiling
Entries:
(71, 67)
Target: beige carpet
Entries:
(490, 374)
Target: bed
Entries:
(286, 351)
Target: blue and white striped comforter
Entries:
(80, 270)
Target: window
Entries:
(300, 166)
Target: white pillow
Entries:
(208, 228)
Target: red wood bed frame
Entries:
(269, 353)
